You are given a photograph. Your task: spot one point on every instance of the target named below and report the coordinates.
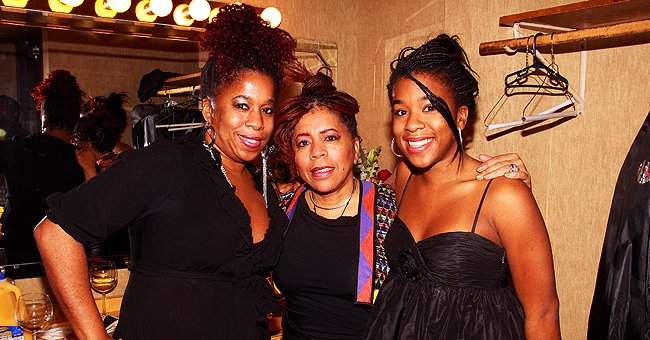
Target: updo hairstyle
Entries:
(238, 40)
(103, 122)
(59, 98)
(445, 60)
(318, 91)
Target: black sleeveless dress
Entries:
(453, 285)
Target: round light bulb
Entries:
(15, 3)
(119, 6)
(143, 12)
(57, 6)
(199, 9)
(182, 15)
(161, 8)
(213, 14)
(272, 16)
(102, 11)
(73, 3)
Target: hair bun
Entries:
(318, 85)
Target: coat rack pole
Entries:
(612, 31)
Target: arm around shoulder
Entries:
(67, 272)
(523, 234)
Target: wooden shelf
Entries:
(184, 80)
(590, 20)
(586, 14)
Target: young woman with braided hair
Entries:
(466, 262)
(203, 236)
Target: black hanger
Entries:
(552, 81)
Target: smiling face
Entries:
(419, 129)
(325, 152)
(241, 113)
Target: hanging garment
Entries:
(620, 305)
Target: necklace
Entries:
(223, 170)
(343, 205)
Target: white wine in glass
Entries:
(34, 312)
(103, 279)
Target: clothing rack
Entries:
(578, 22)
(574, 23)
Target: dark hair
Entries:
(444, 59)
(238, 40)
(9, 105)
(318, 91)
(103, 122)
(60, 98)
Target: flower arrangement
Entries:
(368, 168)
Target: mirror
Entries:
(104, 63)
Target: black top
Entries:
(453, 285)
(317, 273)
(195, 272)
(34, 167)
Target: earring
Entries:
(265, 174)
(460, 137)
(392, 148)
(213, 135)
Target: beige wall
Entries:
(574, 165)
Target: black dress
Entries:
(317, 274)
(195, 272)
(34, 167)
(453, 285)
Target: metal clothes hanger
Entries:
(553, 80)
(557, 85)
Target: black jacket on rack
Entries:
(146, 117)
(620, 307)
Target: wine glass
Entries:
(34, 312)
(103, 279)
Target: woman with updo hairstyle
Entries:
(468, 259)
(99, 131)
(40, 164)
(203, 234)
(328, 278)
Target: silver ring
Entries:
(513, 168)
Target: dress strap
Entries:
(404, 190)
(478, 211)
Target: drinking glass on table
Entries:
(34, 312)
(103, 279)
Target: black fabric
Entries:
(148, 116)
(153, 82)
(619, 309)
(34, 167)
(453, 285)
(195, 273)
(317, 274)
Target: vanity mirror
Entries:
(33, 44)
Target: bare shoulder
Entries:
(510, 194)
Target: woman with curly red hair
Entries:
(40, 164)
(203, 234)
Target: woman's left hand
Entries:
(508, 165)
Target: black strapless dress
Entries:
(454, 285)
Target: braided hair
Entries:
(238, 40)
(444, 59)
(59, 97)
(318, 91)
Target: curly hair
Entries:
(59, 97)
(237, 40)
(444, 59)
(318, 91)
(103, 121)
